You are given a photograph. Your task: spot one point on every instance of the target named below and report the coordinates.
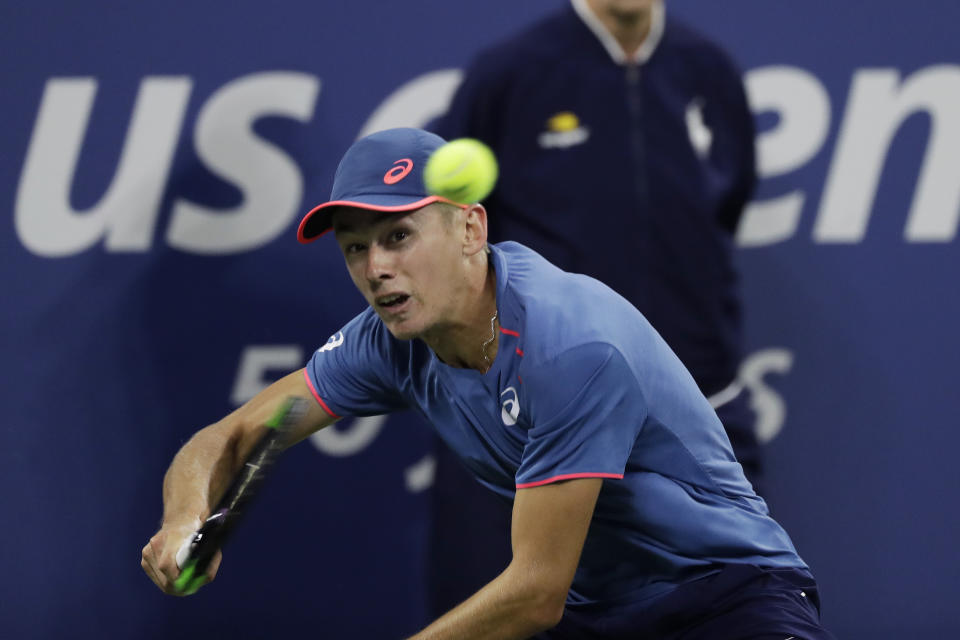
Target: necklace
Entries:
(493, 336)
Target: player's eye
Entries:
(398, 236)
(354, 248)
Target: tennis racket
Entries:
(197, 553)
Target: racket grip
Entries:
(198, 550)
(183, 553)
(189, 581)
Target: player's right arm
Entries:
(203, 468)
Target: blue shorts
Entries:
(737, 603)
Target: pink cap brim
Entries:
(317, 218)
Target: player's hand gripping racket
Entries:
(198, 551)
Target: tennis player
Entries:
(631, 516)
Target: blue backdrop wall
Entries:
(156, 159)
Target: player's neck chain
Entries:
(489, 341)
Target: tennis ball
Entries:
(463, 170)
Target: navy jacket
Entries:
(633, 174)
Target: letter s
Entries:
(415, 103)
(271, 182)
(769, 406)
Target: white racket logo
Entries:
(510, 409)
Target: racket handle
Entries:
(198, 551)
(183, 553)
(194, 567)
(191, 576)
(188, 581)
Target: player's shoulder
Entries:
(365, 333)
(532, 279)
(367, 323)
(559, 312)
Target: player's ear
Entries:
(475, 229)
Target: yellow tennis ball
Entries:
(463, 170)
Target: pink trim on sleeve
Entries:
(313, 390)
(509, 332)
(570, 476)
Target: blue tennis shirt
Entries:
(582, 386)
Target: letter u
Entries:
(126, 214)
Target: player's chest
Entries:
(483, 415)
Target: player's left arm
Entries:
(550, 524)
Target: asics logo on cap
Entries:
(398, 173)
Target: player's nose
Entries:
(379, 265)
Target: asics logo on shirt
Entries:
(333, 342)
(510, 408)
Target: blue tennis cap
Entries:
(381, 172)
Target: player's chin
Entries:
(401, 328)
(403, 334)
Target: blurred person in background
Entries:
(626, 149)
